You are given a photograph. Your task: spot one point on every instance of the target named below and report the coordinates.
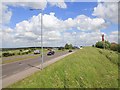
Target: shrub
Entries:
(107, 45)
(101, 44)
(19, 53)
(26, 52)
(114, 47)
(68, 46)
(119, 48)
(20, 50)
(6, 54)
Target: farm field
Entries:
(86, 68)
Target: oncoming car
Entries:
(51, 52)
(70, 51)
(37, 52)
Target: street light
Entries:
(41, 35)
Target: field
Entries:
(86, 68)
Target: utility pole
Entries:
(41, 35)
(42, 39)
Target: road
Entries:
(16, 67)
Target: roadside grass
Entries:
(86, 68)
(110, 55)
(19, 59)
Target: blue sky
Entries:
(72, 10)
(91, 26)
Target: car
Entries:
(51, 53)
(70, 51)
(37, 52)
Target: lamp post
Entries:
(42, 39)
(41, 35)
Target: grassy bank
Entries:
(86, 68)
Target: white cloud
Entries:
(107, 11)
(113, 36)
(28, 32)
(108, 0)
(87, 23)
(31, 5)
(59, 3)
(36, 4)
(5, 14)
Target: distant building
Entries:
(102, 37)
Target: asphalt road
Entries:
(16, 67)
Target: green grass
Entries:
(86, 68)
(19, 59)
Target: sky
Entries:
(77, 23)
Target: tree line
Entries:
(108, 45)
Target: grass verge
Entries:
(87, 68)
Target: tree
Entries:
(66, 46)
(102, 44)
(119, 48)
(92, 45)
(107, 44)
(114, 47)
(70, 46)
(99, 44)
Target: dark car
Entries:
(51, 53)
(70, 51)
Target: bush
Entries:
(19, 53)
(93, 46)
(22, 53)
(6, 54)
(20, 50)
(101, 44)
(26, 52)
(119, 48)
(114, 47)
(107, 45)
(68, 46)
